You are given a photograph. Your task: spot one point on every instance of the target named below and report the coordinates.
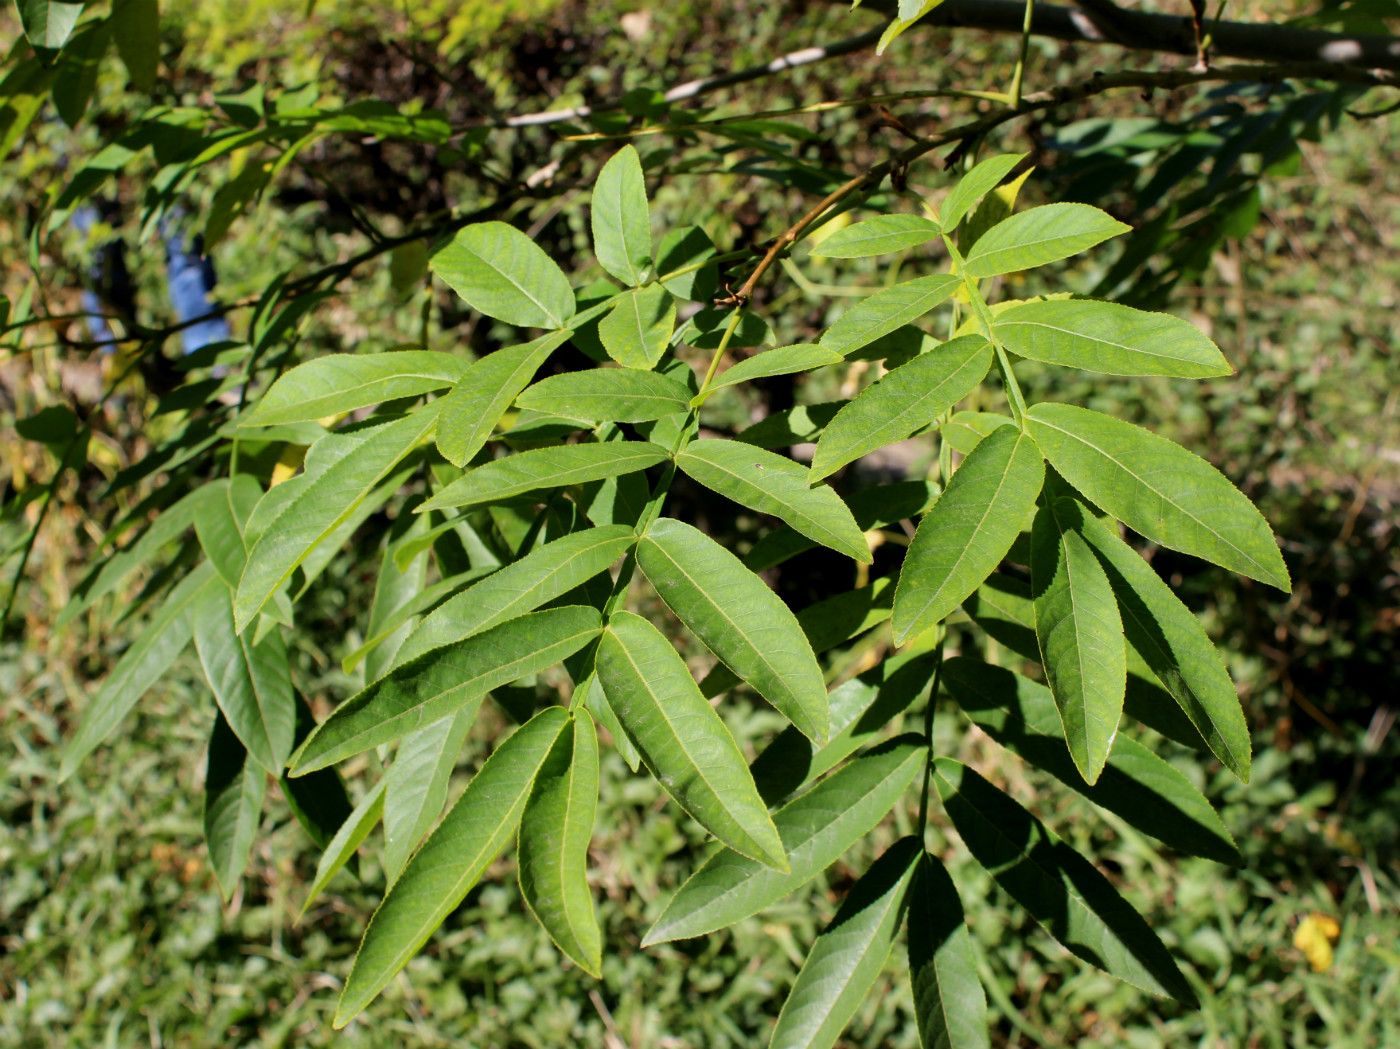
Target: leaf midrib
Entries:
(558, 322)
(1099, 339)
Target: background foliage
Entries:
(112, 925)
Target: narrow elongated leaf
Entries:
(878, 236)
(399, 584)
(681, 739)
(150, 655)
(877, 507)
(1040, 235)
(1159, 489)
(1060, 888)
(771, 484)
(1174, 645)
(219, 519)
(887, 310)
(1107, 337)
(251, 682)
(313, 511)
(444, 870)
(608, 395)
(319, 802)
(445, 681)
(737, 618)
(971, 188)
(861, 710)
(969, 530)
(555, 832)
(543, 468)
(1146, 791)
(234, 786)
(342, 382)
(638, 329)
(136, 27)
(904, 400)
(949, 1003)
(785, 360)
(505, 275)
(487, 388)
(621, 225)
(849, 955)
(416, 784)
(539, 577)
(346, 842)
(816, 828)
(1080, 635)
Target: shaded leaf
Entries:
(949, 1003)
(347, 841)
(877, 507)
(48, 23)
(415, 787)
(220, 514)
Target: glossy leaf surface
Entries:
(542, 468)
(949, 1003)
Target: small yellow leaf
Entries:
(1315, 936)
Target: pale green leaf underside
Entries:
(738, 618)
(878, 236)
(541, 468)
(969, 530)
(540, 576)
(443, 871)
(1038, 236)
(343, 382)
(503, 273)
(620, 395)
(234, 786)
(444, 681)
(1159, 489)
(1061, 890)
(682, 740)
(816, 828)
(887, 310)
(487, 388)
(904, 400)
(555, 832)
(849, 955)
(772, 484)
(1107, 337)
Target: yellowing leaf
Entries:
(1315, 936)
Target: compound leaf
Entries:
(415, 787)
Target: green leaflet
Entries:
(737, 618)
(861, 710)
(77, 70)
(296, 522)
(1039, 235)
(150, 655)
(484, 392)
(555, 832)
(1146, 791)
(816, 828)
(522, 586)
(506, 275)
(681, 739)
(48, 23)
(949, 1003)
(791, 426)
(542, 468)
(319, 802)
(965, 430)
(425, 600)
(225, 505)
(346, 842)
(443, 871)
(342, 382)
(397, 587)
(973, 186)
(1174, 646)
(415, 787)
(877, 507)
(1080, 634)
(638, 329)
(621, 224)
(771, 484)
(905, 399)
(1107, 337)
(234, 788)
(1061, 890)
(1158, 489)
(969, 530)
(887, 310)
(444, 681)
(136, 28)
(878, 236)
(251, 682)
(784, 360)
(608, 395)
(849, 955)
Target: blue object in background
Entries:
(108, 287)
(190, 278)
